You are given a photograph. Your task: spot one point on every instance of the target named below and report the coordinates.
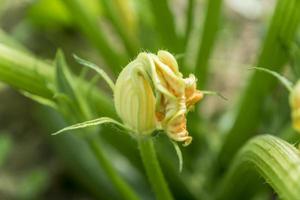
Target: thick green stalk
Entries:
(153, 170)
(270, 157)
(90, 27)
(124, 189)
(281, 32)
(208, 38)
(25, 72)
(165, 25)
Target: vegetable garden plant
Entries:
(141, 134)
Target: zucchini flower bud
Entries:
(134, 98)
(295, 106)
(151, 94)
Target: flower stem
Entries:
(124, 189)
(153, 170)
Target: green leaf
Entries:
(68, 105)
(76, 108)
(90, 123)
(64, 82)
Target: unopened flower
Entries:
(150, 94)
(295, 106)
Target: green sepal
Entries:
(207, 92)
(179, 155)
(287, 84)
(90, 123)
(100, 71)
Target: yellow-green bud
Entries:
(133, 97)
(295, 106)
(151, 93)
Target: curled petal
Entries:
(169, 60)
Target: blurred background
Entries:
(31, 165)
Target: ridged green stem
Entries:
(275, 160)
(274, 55)
(153, 170)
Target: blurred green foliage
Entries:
(5, 147)
(33, 184)
(105, 162)
(50, 14)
